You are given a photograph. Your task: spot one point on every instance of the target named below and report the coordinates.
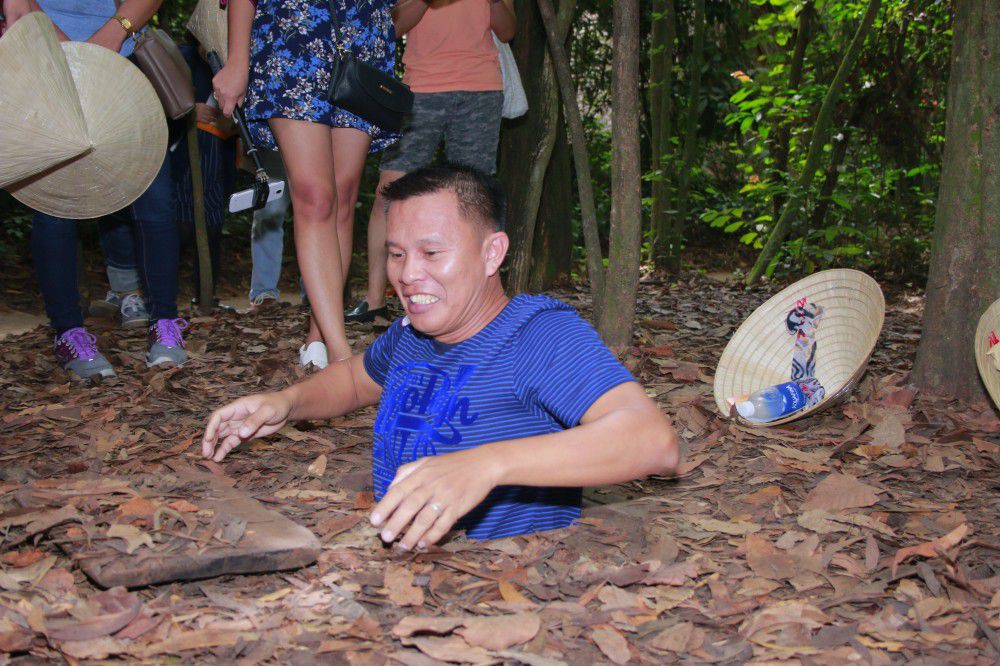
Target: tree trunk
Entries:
(531, 139)
(581, 158)
(675, 238)
(618, 318)
(553, 248)
(965, 253)
(813, 157)
(783, 138)
(818, 216)
(839, 153)
(661, 84)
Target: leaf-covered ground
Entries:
(865, 534)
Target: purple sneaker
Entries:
(166, 344)
(76, 351)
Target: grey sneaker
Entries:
(133, 311)
(76, 351)
(109, 307)
(166, 344)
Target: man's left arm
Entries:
(622, 436)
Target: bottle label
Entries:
(792, 397)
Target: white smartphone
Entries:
(244, 199)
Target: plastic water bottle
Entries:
(772, 402)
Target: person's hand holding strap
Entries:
(230, 83)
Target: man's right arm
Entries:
(339, 389)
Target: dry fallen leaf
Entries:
(510, 593)
(783, 613)
(725, 526)
(318, 466)
(767, 561)
(416, 624)
(502, 631)
(450, 648)
(112, 610)
(612, 644)
(137, 508)
(840, 491)
(132, 535)
(22, 558)
(674, 638)
(399, 583)
(931, 548)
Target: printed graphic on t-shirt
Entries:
(421, 409)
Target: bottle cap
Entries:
(746, 409)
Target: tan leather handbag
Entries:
(163, 64)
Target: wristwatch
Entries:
(126, 25)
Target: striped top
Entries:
(535, 369)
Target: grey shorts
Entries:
(468, 121)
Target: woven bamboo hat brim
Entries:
(209, 24)
(41, 122)
(760, 352)
(127, 128)
(989, 364)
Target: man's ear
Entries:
(495, 248)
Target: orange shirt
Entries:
(452, 48)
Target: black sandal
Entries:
(361, 313)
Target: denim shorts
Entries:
(469, 123)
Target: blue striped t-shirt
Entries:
(535, 369)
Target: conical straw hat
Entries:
(127, 128)
(41, 122)
(209, 24)
(989, 360)
(760, 352)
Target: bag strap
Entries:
(335, 24)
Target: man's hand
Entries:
(430, 494)
(230, 86)
(247, 418)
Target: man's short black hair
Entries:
(480, 197)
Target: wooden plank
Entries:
(271, 542)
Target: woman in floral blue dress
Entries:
(280, 52)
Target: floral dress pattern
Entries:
(291, 48)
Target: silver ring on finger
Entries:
(436, 507)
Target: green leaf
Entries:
(741, 94)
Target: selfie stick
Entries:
(261, 187)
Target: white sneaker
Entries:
(315, 354)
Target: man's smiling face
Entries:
(440, 264)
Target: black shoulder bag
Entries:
(364, 90)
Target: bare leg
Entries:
(308, 156)
(350, 150)
(377, 254)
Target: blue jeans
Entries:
(118, 245)
(157, 249)
(267, 233)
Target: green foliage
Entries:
(879, 213)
